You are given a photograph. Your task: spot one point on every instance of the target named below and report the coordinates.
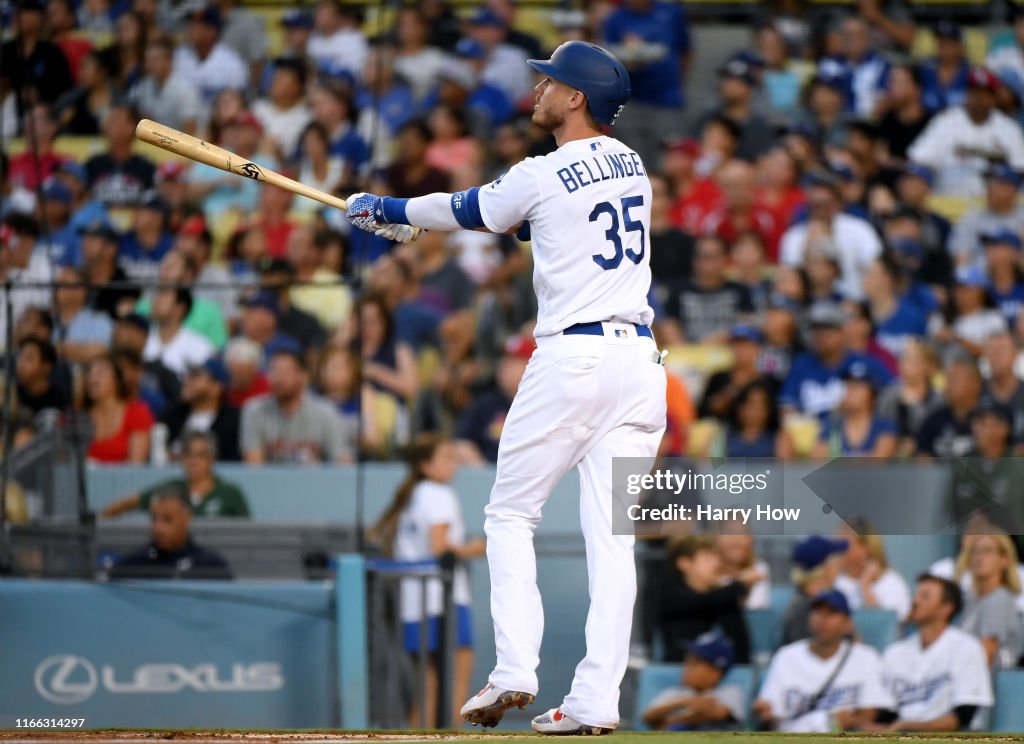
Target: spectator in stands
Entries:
(384, 102)
(143, 381)
(781, 337)
(39, 161)
(21, 264)
(826, 115)
(334, 110)
(244, 360)
(452, 149)
(171, 553)
(753, 428)
(121, 426)
(701, 702)
(671, 248)
(739, 211)
(317, 291)
(1003, 386)
(960, 143)
(298, 27)
(32, 67)
(85, 210)
(724, 386)
(415, 60)
(815, 568)
(132, 38)
(165, 94)
(781, 76)
(205, 61)
(82, 333)
(854, 430)
(938, 677)
(504, 66)
(212, 284)
(277, 280)
(735, 546)
(867, 579)
(259, 323)
(340, 382)
(695, 195)
(694, 601)
(337, 45)
(821, 264)
(895, 316)
(990, 610)
(704, 309)
(290, 424)
(36, 390)
(855, 239)
(653, 40)
(203, 408)
(245, 33)
(60, 22)
(859, 334)
(389, 362)
(908, 402)
(284, 113)
(176, 346)
(423, 522)
(145, 246)
(318, 167)
(80, 110)
(946, 431)
(804, 690)
(111, 294)
(945, 78)
(227, 106)
(903, 113)
(867, 68)
(480, 426)
(221, 193)
(118, 177)
(1001, 212)
(972, 317)
(205, 319)
(1006, 280)
(411, 175)
(987, 479)
(96, 19)
(737, 86)
(814, 386)
(205, 492)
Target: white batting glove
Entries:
(397, 233)
(366, 211)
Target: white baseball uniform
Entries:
(926, 683)
(589, 395)
(796, 675)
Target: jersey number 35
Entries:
(612, 233)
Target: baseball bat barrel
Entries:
(193, 148)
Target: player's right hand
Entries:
(397, 233)
(366, 211)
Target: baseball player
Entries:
(826, 682)
(939, 676)
(593, 390)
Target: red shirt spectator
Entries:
(137, 418)
(695, 196)
(256, 387)
(120, 425)
(23, 169)
(738, 213)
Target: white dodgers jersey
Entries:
(926, 683)
(589, 208)
(796, 675)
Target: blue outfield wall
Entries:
(170, 654)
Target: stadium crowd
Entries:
(837, 251)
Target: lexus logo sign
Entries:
(66, 679)
(69, 679)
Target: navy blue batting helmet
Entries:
(593, 70)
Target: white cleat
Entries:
(556, 723)
(488, 706)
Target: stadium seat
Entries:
(1008, 714)
(782, 594)
(656, 677)
(764, 629)
(877, 628)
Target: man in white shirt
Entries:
(168, 98)
(960, 143)
(506, 64)
(284, 113)
(176, 347)
(1001, 211)
(826, 681)
(208, 64)
(855, 238)
(938, 677)
(28, 270)
(337, 44)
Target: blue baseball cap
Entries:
(907, 248)
(919, 170)
(746, 332)
(487, 17)
(814, 550)
(470, 49)
(842, 171)
(283, 345)
(740, 69)
(263, 299)
(57, 191)
(75, 169)
(859, 370)
(1001, 236)
(832, 78)
(297, 18)
(833, 599)
(215, 368)
(948, 30)
(714, 648)
(1003, 172)
(971, 276)
(779, 301)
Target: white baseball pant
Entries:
(583, 400)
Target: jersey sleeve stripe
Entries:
(466, 208)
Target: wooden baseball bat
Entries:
(193, 148)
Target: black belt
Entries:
(597, 329)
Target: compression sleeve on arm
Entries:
(438, 211)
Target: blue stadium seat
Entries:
(765, 632)
(656, 677)
(1008, 714)
(782, 594)
(876, 627)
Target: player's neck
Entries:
(930, 632)
(574, 129)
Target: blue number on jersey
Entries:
(612, 233)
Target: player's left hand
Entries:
(397, 233)
(366, 211)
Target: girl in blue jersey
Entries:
(856, 431)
